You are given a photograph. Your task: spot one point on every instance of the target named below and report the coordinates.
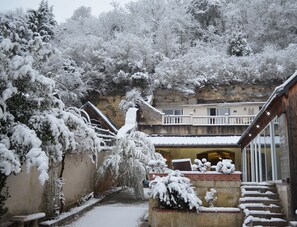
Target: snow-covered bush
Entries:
(201, 165)
(175, 191)
(131, 100)
(157, 166)
(225, 166)
(211, 197)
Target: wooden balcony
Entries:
(207, 120)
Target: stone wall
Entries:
(173, 218)
(149, 115)
(283, 190)
(28, 196)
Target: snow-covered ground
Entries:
(120, 210)
(113, 215)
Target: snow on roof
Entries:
(130, 122)
(192, 141)
(102, 115)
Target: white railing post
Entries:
(191, 118)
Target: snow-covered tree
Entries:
(42, 21)
(175, 191)
(238, 45)
(128, 161)
(81, 14)
(36, 129)
(132, 99)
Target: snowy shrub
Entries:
(201, 165)
(175, 191)
(225, 166)
(238, 45)
(210, 197)
(131, 100)
(157, 166)
(140, 79)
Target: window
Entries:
(219, 111)
(173, 111)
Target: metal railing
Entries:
(207, 120)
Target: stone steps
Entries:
(261, 205)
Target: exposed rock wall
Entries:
(212, 94)
(109, 105)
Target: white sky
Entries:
(63, 9)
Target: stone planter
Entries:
(227, 186)
(214, 217)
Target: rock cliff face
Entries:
(212, 94)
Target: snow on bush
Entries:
(211, 197)
(157, 166)
(175, 191)
(225, 166)
(201, 165)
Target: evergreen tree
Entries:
(238, 45)
(42, 22)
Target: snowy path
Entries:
(120, 210)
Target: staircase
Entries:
(261, 205)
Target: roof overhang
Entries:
(271, 109)
(202, 141)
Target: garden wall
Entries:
(28, 196)
(173, 218)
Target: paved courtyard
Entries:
(118, 209)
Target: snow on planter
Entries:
(175, 191)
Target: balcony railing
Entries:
(207, 120)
